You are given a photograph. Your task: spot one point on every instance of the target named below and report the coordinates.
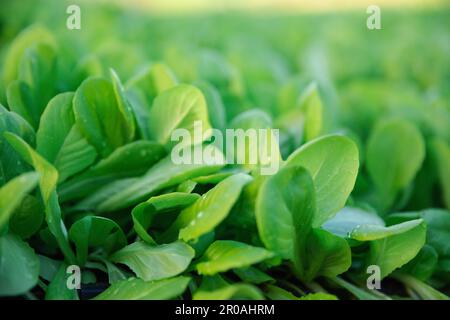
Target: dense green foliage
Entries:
(86, 176)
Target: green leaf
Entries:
(144, 213)
(253, 275)
(349, 218)
(178, 108)
(47, 184)
(277, 293)
(420, 288)
(137, 289)
(58, 289)
(311, 106)
(100, 116)
(211, 209)
(11, 164)
(326, 255)
(442, 151)
(357, 292)
(216, 109)
(395, 152)
(154, 263)
(369, 232)
(438, 230)
(19, 96)
(37, 71)
(143, 88)
(59, 141)
(24, 40)
(215, 288)
(285, 209)
(138, 155)
(394, 251)
(152, 80)
(423, 265)
(19, 266)
(76, 154)
(28, 217)
(123, 104)
(256, 149)
(332, 162)
(48, 267)
(96, 232)
(12, 194)
(164, 174)
(224, 255)
(319, 296)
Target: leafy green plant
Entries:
(87, 177)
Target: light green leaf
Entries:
(369, 232)
(224, 255)
(216, 109)
(24, 40)
(154, 263)
(143, 88)
(162, 175)
(349, 218)
(311, 107)
(178, 108)
(254, 148)
(144, 213)
(215, 288)
(326, 255)
(137, 289)
(12, 194)
(394, 251)
(19, 266)
(138, 155)
(332, 162)
(319, 296)
(38, 71)
(76, 154)
(395, 152)
(59, 141)
(100, 116)
(211, 209)
(285, 209)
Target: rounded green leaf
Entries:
(211, 209)
(285, 209)
(138, 289)
(154, 263)
(100, 116)
(224, 255)
(59, 141)
(178, 108)
(395, 152)
(12, 194)
(332, 162)
(394, 251)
